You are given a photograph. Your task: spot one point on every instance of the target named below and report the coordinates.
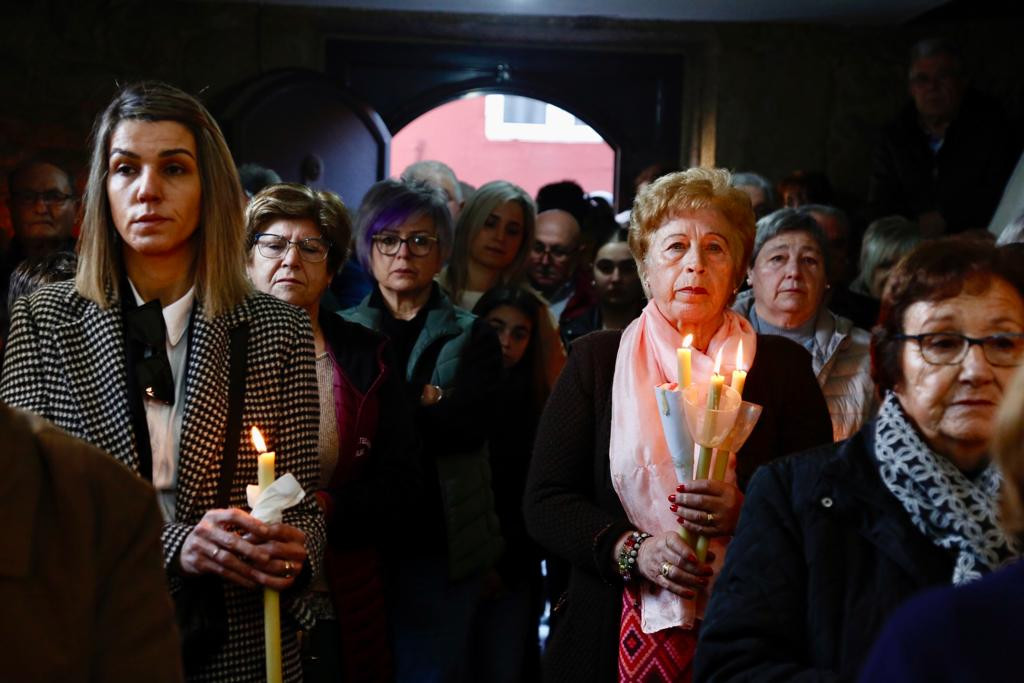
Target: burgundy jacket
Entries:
(378, 467)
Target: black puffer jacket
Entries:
(822, 555)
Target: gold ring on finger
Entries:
(666, 567)
(288, 566)
(711, 518)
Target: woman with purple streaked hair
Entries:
(451, 364)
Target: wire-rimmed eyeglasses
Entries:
(950, 348)
(390, 244)
(48, 197)
(311, 249)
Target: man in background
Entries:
(944, 161)
(555, 255)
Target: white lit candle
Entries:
(271, 598)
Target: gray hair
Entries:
(432, 173)
(759, 181)
(932, 47)
(885, 240)
(790, 220)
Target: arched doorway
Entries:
(491, 136)
(633, 100)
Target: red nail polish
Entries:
(671, 497)
(673, 508)
(680, 488)
(692, 558)
(680, 519)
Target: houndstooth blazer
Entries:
(65, 360)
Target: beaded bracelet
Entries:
(628, 554)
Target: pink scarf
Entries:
(641, 467)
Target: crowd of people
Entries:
(461, 382)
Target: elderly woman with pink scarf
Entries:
(603, 493)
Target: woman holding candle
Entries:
(789, 278)
(451, 369)
(142, 353)
(602, 471)
(832, 541)
(298, 239)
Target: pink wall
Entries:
(454, 133)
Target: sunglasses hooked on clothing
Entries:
(146, 336)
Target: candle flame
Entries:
(718, 361)
(257, 441)
(739, 356)
(687, 340)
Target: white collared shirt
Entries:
(164, 421)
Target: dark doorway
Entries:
(634, 101)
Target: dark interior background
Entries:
(769, 97)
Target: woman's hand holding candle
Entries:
(694, 501)
(242, 549)
(666, 561)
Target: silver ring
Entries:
(215, 553)
(666, 567)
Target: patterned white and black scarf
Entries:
(955, 512)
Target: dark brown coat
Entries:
(83, 596)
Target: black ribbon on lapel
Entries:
(146, 334)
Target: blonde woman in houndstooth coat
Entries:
(137, 355)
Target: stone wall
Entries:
(772, 98)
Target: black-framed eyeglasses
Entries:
(48, 197)
(556, 252)
(950, 348)
(390, 244)
(311, 249)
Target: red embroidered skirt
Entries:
(651, 657)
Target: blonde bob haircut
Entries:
(220, 280)
(675, 194)
(1008, 453)
(474, 214)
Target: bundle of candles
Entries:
(718, 427)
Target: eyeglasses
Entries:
(311, 249)
(390, 244)
(607, 266)
(949, 348)
(49, 197)
(557, 253)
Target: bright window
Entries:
(511, 117)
